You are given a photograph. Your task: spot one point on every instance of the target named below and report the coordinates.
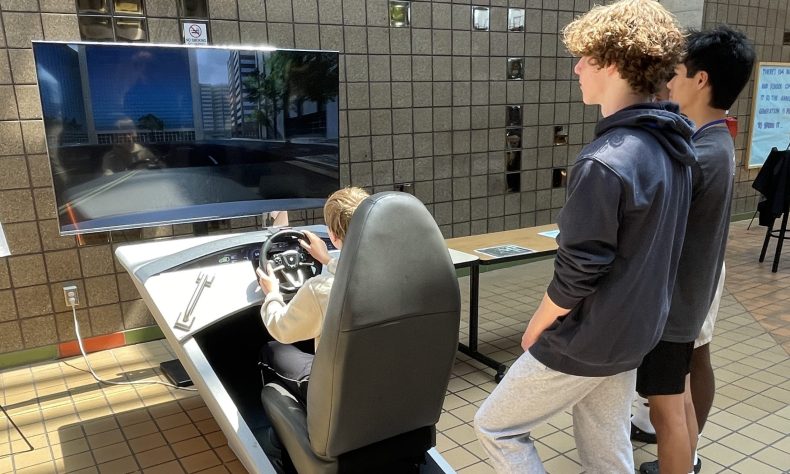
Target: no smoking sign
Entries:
(195, 34)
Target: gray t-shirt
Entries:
(706, 234)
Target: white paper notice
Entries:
(4, 251)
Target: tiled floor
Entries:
(78, 426)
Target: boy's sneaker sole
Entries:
(642, 436)
(652, 467)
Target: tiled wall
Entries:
(423, 104)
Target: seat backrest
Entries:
(391, 329)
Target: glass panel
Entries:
(130, 29)
(559, 177)
(560, 135)
(513, 116)
(515, 68)
(128, 7)
(513, 182)
(480, 18)
(92, 6)
(512, 161)
(515, 19)
(399, 13)
(194, 8)
(513, 138)
(95, 28)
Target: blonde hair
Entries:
(640, 37)
(339, 208)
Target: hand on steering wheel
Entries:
(293, 266)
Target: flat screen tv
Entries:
(141, 135)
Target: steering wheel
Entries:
(294, 265)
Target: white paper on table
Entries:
(4, 250)
(550, 233)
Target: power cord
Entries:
(73, 304)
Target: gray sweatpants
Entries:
(531, 393)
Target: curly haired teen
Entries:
(621, 232)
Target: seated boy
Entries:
(303, 317)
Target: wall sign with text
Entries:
(770, 125)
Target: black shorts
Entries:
(664, 369)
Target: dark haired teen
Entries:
(715, 68)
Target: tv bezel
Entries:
(300, 203)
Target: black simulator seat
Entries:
(387, 348)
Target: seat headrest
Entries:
(392, 240)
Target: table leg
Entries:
(471, 349)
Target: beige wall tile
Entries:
(16, 206)
(58, 6)
(136, 314)
(33, 301)
(58, 27)
(45, 203)
(7, 305)
(282, 35)
(37, 332)
(22, 238)
(223, 9)
(5, 276)
(65, 325)
(5, 69)
(33, 136)
(101, 290)
(23, 69)
(8, 108)
(51, 239)
(27, 270)
(164, 30)
(224, 32)
(38, 166)
(21, 28)
(13, 172)
(279, 10)
(11, 144)
(252, 10)
(63, 265)
(126, 289)
(253, 32)
(10, 337)
(19, 5)
(96, 260)
(161, 8)
(29, 102)
(106, 319)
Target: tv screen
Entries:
(142, 135)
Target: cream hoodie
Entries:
(303, 317)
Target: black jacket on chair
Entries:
(773, 182)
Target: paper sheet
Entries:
(501, 251)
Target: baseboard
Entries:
(70, 348)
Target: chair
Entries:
(387, 348)
(773, 181)
(779, 234)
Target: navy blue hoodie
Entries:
(621, 233)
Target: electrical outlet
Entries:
(70, 292)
